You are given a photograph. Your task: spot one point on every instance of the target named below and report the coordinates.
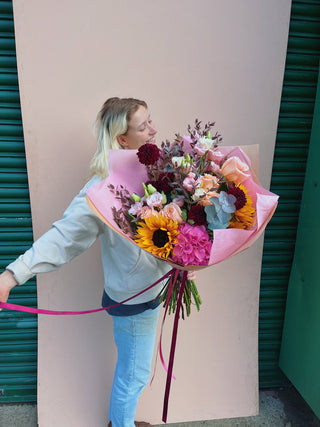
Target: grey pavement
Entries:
(278, 408)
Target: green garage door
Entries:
(300, 350)
(292, 144)
(18, 332)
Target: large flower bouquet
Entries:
(190, 202)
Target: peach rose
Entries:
(147, 212)
(209, 182)
(172, 211)
(206, 199)
(235, 170)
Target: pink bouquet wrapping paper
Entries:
(126, 170)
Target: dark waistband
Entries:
(127, 309)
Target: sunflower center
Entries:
(160, 238)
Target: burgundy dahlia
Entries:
(239, 195)
(148, 154)
(163, 182)
(198, 215)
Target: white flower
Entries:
(199, 192)
(207, 142)
(176, 161)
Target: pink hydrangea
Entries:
(194, 245)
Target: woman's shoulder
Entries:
(95, 179)
(92, 181)
(79, 200)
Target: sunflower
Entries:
(243, 218)
(158, 235)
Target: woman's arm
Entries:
(77, 230)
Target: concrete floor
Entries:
(278, 408)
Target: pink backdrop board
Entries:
(219, 60)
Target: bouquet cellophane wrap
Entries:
(125, 170)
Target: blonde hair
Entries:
(112, 121)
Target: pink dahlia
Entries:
(194, 245)
(148, 154)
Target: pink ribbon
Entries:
(174, 274)
(16, 307)
(173, 347)
(173, 279)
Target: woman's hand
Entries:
(7, 282)
(191, 275)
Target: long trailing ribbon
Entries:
(172, 282)
(173, 347)
(25, 309)
(173, 274)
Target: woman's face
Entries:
(140, 130)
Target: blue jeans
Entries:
(134, 337)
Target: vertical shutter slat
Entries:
(18, 331)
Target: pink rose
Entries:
(203, 145)
(200, 149)
(155, 200)
(135, 209)
(190, 183)
(215, 156)
(235, 170)
(214, 168)
(172, 211)
(179, 200)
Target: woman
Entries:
(121, 124)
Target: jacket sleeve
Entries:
(75, 232)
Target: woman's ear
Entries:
(122, 140)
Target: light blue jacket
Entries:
(127, 268)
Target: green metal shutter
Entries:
(18, 331)
(291, 151)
